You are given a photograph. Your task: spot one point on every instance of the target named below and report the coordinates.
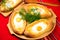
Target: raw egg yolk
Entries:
(39, 28)
(18, 19)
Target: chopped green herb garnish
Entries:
(22, 11)
(31, 18)
(33, 9)
(3, 1)
(28, 16)
(11, 9)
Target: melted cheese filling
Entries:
(41, 10)
(42, 26)
(18, 22)
(12, 3)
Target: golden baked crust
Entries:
(38, 28)
(44, 11)
(19, 29)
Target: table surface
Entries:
(5, 34)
